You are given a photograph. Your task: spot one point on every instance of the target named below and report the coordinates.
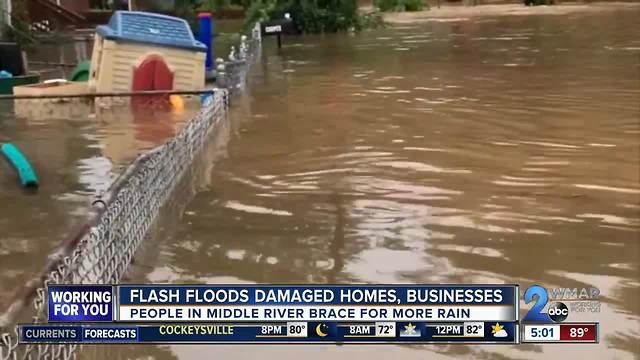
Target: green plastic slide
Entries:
(81, 71)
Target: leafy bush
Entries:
(399, 5)
(413, 5)
(20, 32)
(215, 5)
(312, 16)
(259, 10)
(185, 9)
(388, 5)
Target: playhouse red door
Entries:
(154, 125)
(152, 74)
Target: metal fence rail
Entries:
(103, 250)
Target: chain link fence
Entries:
(102, 250)
(231, 73)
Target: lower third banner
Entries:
(282, 332)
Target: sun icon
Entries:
(498, 331)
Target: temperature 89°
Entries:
(578, 332)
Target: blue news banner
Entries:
(278, 314)
(314, 332)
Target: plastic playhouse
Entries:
(139, 51)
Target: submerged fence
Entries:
(102, 250)
(231, 73)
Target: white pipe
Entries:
(130, 5)
(9, 13)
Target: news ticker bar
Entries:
(282, 332)
(273, 303)
(561, 333)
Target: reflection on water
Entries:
(473, 151)
(77, 149)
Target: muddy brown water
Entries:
(77, 150)
(490, 150)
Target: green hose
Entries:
(25, 172)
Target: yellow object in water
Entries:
(177, 103)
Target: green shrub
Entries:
(389, 5)
(259, 10)
(413, 5)
(215, 5)
(399, 5)
(312, 16)
(20, 32)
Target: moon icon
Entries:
(319, 330)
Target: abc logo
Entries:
(558, 312)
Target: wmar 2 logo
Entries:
(581, 299)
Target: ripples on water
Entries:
(473, 151)
(498, 151)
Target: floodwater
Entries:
(490, 150)
(495, 150)
(77, 149)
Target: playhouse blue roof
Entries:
(150, 28)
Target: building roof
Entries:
(150, 28)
